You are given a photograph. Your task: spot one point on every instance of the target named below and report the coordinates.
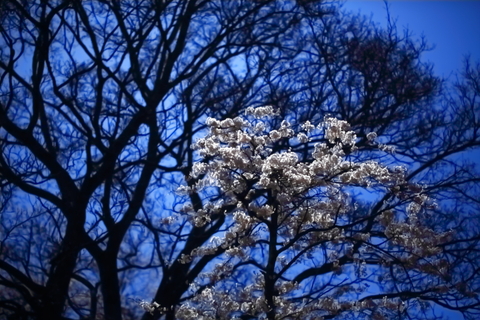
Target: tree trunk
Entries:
(110, 286)
(52, 301)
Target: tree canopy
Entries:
(220, 159)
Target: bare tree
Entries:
(101, 101)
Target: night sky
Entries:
(453, 27)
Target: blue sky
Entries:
(452, 26)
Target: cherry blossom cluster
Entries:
(305, 202)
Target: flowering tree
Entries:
(100, 102)
(295, 244)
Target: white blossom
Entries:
(149, 307)
(371, 136)
(308, 202)
(302, 137)
(308, 127)
(260, 112)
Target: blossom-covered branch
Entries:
(296, 229)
